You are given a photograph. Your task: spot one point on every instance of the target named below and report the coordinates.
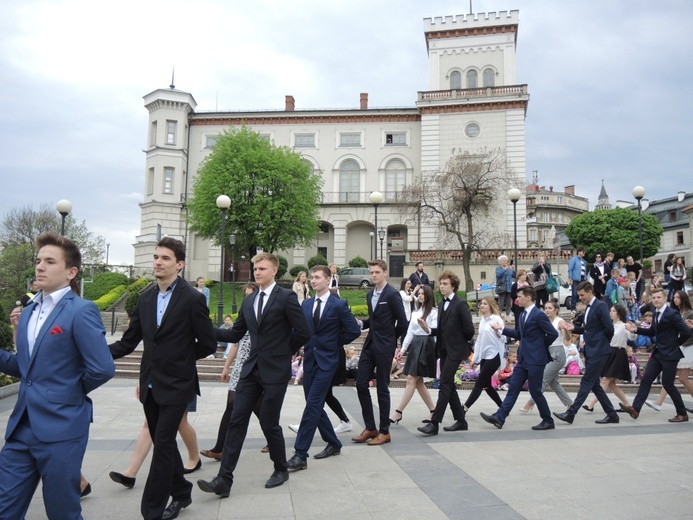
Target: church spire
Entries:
(603, 202)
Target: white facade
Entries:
(472, 103)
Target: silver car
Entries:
(355, 277)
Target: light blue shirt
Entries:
(162, 302)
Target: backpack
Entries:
(573, 369)
(614, 295)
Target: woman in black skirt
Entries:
(421, 348)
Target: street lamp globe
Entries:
(514, 194)
(64, 207)
(376, 197)
(639, 192)
(223, 202)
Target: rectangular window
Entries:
(211, 140)
(322, 251)
(168, 180)
(266, 137)
(152, 134)
(150, 182)
(348, 186)
(483, 275)
(170, 132)
(533, 235)
(560, 218)
(304, 141)
(394, 182)
(679, 238)
(396, 139)
(559, 199)
(350, 140)
(546, 217)
(672, 216)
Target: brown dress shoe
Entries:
(382, 438)
(679, 418)
(630, 411)
(365, 435)
(211, 454)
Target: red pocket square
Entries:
(56, 330)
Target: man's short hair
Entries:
(579, 249)
(378, 263)
(418, 264)
(528, 292)
(454, 279)
(174, 245)
(656, 290)
(585, 286)
(265, 256)
(71, 253)
(321, 268)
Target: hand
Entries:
(422, 323)
(631, 327)
(14, 316)
(689, 322)
(497, 326)
(225, 375)
(567, 326)
(137, 392)
(398, 354)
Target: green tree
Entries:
(358, 261)
(274, 194)
(615, 230)
(317, 260)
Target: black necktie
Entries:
(657, 320)
(259, 306)
(523, 316)
(316, 314)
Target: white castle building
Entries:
(473, 102)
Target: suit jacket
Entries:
(595, 273)
(385, 323)
(282, 330)
(455, 329)
(170, 350)
(535, 335)
(671, 332)
(598, 330)
(70, 358)
(337, 327)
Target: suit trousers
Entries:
(316, 383)
(668, 369)
(533, 374)
(25, 459)
(447, 391)
(166, 471)
(249, 389)
(590, 382)
(382, 363)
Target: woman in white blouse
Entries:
(421, 357)
(489, 351)
(407, 296)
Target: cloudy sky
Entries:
(609, 84)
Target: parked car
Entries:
(564, 295)
(355, 277)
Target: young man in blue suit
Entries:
(536, 334)
(332, 326)
(598, 329)
(386, 322)
(62, 355)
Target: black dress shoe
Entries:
(329, 450)
(492, 419)
(565, 416)
(544, 425)
(457, 426)
(429, 428)
(187, 471)
(217, 485)
(174, 508)
(609, 419)
(295, 463)
(86, 490)
(128, 482)
(585, 407)
(277, 479)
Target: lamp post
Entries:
(514, 195)
(64, 207)
(639, 193)
(381, 235)
(372, 235)
(232, 241)
(223, 203)
(376, 199)
(108, 247)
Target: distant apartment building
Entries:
(675, 215)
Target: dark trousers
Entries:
(534, 374)
(251, 388)
(226, 420)
(487, 368)
(316, 383)
(447, 391)
(542, 298)
(381, 362)
(165, 477)
(336, 406)
(590, 382)
(668, 369)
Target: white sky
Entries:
(609, 85)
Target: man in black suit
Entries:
(598, 329)
(386, 322)
(453, 335)
(173, 321)
(277, 329)
(671, 332)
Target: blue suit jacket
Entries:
(70, 359)
(598, 330)
(337, 327)
(536, 335)
(385, 323)
(671, 332)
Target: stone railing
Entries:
(506, 90)
(486, 255)
(358, 197)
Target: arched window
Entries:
(455, 79)
(472, 78)
(349, 173)
(395, 179)
(489, 78)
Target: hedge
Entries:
(102, 284)
(359, 310)
(138, 285)
(111, 297)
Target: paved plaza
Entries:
(632, 470)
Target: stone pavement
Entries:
(633, 470)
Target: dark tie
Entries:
(316, 314)
(523, 316)
(259, 306)
(656, 323)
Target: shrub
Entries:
(131, 302)
(317, 260)
(6, 339)
(140, 284)
(283, 267)
(359, 310)
(102, 284)
(297, 269)
(111, 297)
(358, 262)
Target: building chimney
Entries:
(681, 195)
(551, 188)
(570, 190)
(289, 103)
(364, 100)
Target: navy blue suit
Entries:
(336, 328)
(385, 324)
(598, 331)
(47, 432)
(536, 334)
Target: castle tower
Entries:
(603, 202)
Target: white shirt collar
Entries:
(55, 296)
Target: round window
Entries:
(472, 130)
